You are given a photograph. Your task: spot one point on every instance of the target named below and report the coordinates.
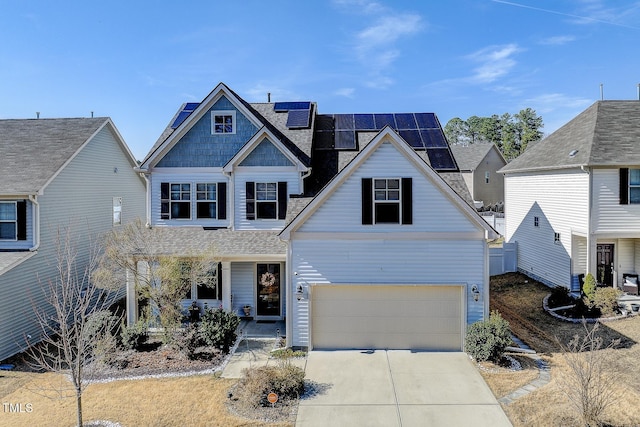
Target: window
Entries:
(634, 186)
(223, 122)
(175, 201)
(206, 200)
(205, 285)
(387, 201)
(266, 200)
(556, 238)
(8, 221)
(486, 177)
(117, 211)
(536, 221)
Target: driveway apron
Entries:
(396, 388)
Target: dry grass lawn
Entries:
(519, 300)
(191, 401)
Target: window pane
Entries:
(180, 210)
(394, 195)
(261, 186)
(381, 195)
(219, 119)
(634, 195)
(186, 187)
(634, 176)
(267, 210)
(206, 210)
(207, 292)
(380, 183)
(7, 231)
(387, 213)
(8, 211)
(393, 183)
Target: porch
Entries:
(264, 328)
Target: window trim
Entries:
(405, 201)
(556, 238)
(486, 177)
(218, 113)
(536, 221)
(193, 285)
(631, 186)
(14, 221)
(117, 209)
(268, 200)
(170, 201)
(252, 202)
(387, 201)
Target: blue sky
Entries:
(137, 61)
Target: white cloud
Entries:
(495, 62)
(347, 92)
(549, 102)
(557, 40)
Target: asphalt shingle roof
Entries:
(33, 150)
(605, 134)
(468, 157)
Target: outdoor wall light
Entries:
(476, 292)
(299, 292)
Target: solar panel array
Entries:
(421, 130)
(298, 113)
(186, 111)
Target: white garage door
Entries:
(394, 317)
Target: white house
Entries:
(230, 175)
(56, 174)
(572, 201)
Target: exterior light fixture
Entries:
(299, 292)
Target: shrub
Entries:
(133, 336)
(560, 296)
(218, 328)
(606, 299)
(589, 289)
(187, 341)
(287, 353)
(487, 339)
(286, 380)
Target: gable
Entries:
(266, 154)
(199, 147)
(432, 210)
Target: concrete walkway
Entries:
(396, 388)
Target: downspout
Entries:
(303, 175)
(590, 238)
(36, 222)
(231, 193)
(144, 173)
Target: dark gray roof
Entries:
(468, 157)
(33, 150)
(225, 243)
(605, 134)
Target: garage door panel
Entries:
(394, 316)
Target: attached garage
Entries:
(421, 317)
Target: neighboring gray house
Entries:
(572, 200)
(231, 174)
(54, 174)
(478, 165)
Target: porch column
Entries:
(592, 248)
(226, 285)
(132, 301)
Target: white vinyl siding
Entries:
(384, 262)
(242, 285)
(609, 216)
(81, 198)
(432, 210)
(560, 200)
(261, 174)
(193, 178)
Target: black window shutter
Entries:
(22, 220)
(222, 200)
(407, 201)
(251, 200)
(624, 186)
(282, 200)
(219, 278)
(367, 201)
(164, 200)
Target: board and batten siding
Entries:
(80, 198)
(242, 175)
(184, 176)
(432, 210)
(609, 216)
(394, 262)
(560, 200)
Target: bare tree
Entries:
(74, 320)
(592, 382)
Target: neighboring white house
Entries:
(572, 201)
(388, 273)
(228, 176)
(56, 174)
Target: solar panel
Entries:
(426, 120)
(413, 138)
(345, 139)
(383, 120)
(344, 121)
(364, 122)
(433, 138)
(188, 108)
(405, 121)
(324, 122)
(298, 119)
(280, 107)
(324, 140)
(441, 159)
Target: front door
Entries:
(605, 264)
(268, 290)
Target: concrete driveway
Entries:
(396, 388)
